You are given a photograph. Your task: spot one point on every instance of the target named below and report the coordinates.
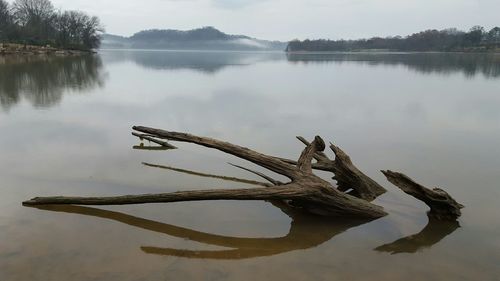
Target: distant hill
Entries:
(206, 38)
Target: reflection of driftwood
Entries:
(152, 139)
(194, 173)
(268, 178)
(149, 147)
(442, 215)
(305, 191)
(433, 232)
(442, 205)
(305, 232)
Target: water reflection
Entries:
(42, 80)
(440, 63)
(211, 62)
(444, 130)
(195, 173)
(202, 61)
(305, 232)
(433, 232)
(149, 147)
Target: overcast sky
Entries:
(290, 19)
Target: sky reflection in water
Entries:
(432, 116)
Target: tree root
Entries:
(306, 192)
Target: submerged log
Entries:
(442, 205)
(305, 191)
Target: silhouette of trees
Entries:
(36, 22)
(450, 39)
(494, 35)
(474, 36)
(75, 29)
(5, 20)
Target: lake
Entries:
(66, 124)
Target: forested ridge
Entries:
(205, 38)
(37, 22)
(451, 39)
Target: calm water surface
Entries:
(65, 130)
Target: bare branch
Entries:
(442, 205)
(275, 193)
(320, 156)
(304, 163)
(263, 160)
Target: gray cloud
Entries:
(289, 19)
(236, 4)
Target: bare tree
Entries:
(494, 35)
(76, 29)
(91, 32)
(31, 11)
(5, 20)
(35, 18)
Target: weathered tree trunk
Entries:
(306, 191)
(442, 205)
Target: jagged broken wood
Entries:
(442, 205)
(305, 192)
(347, 175)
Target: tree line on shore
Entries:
(37, 22)
(452, 39)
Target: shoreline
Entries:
(21, 49)
(368, 51)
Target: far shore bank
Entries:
(22, 49)
(370, 51)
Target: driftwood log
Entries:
(443, 206)
(305, 192)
